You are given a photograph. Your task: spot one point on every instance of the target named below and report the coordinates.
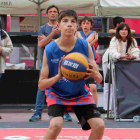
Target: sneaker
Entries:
(35, 117)
(111, 115)
(67, 117)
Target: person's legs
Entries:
(54, 128)
(67, 117)
(106, 90)
(105, 97)
(40, 100)
(105, 94)
(97, 128)
(86, 112)
(0, 83)
(55, 113)
(93, 90)
(89, 117)
(0, 77)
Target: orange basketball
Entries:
(74, 66)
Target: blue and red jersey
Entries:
(64, 91)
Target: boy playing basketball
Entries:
(91, 37)
(61, 92)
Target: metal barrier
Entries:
(126, 89)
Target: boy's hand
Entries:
(96, 36)
(91, 72)
(59, 70)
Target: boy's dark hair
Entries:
(118, 20)
(86, 18)
(52, 6)
(64, 13)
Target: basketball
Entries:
(74, 66)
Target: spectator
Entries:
(123, 45)
(86, 23)
(6, 47)
(116, 21)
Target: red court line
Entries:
(67, 134)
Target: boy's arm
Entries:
(112, 31)
(95, 39)
(96, 36)
(93, 71)
(132, 31)
(44, 81)
(92, 39)
(43, 42)
(77, 34)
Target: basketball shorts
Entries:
(83, 113)
(90, 81)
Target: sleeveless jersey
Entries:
(93, 48)
(66, 92)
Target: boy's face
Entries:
(86, 25)
(52, 14)
(68, 25)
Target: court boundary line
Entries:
(67, 128)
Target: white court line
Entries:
(67, 128)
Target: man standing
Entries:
(47, 33)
